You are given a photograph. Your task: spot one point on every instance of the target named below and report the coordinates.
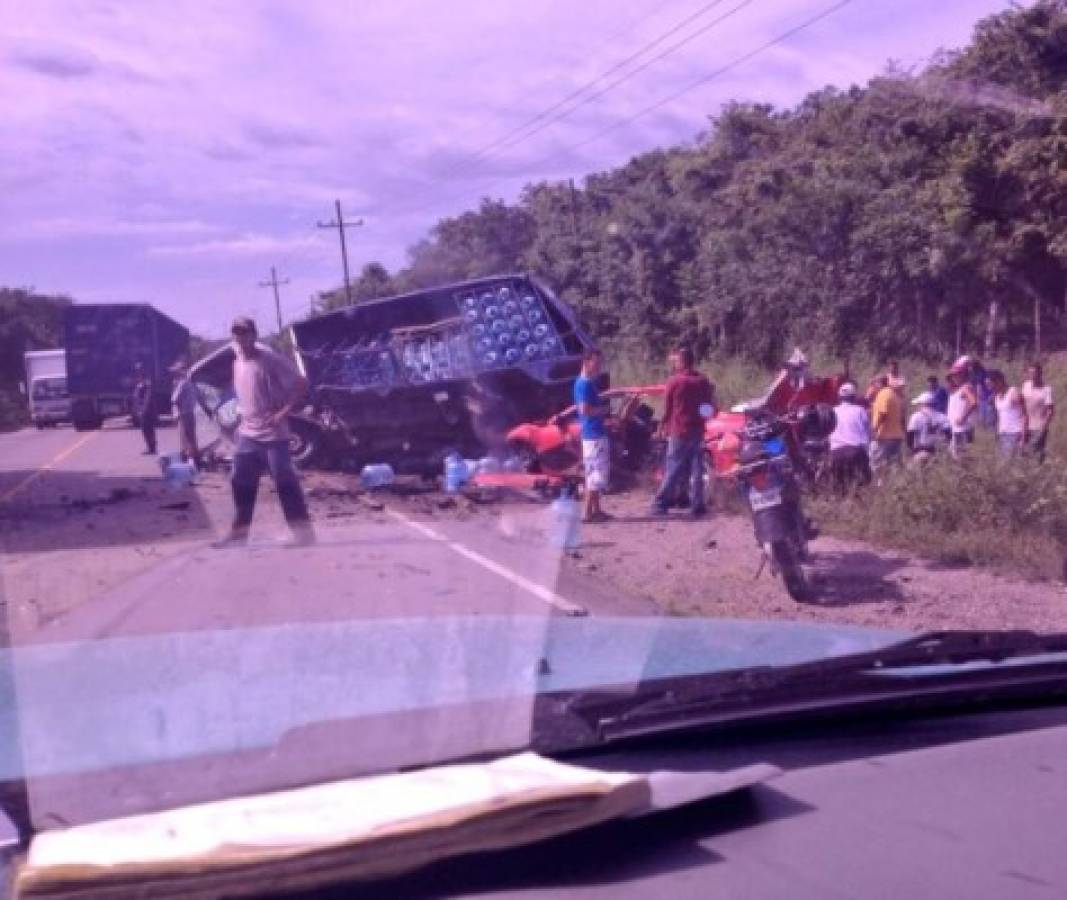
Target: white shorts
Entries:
(596, 457)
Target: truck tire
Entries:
(306, 443)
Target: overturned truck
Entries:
(409, 379)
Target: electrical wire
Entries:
(486, 149)
(663, 101)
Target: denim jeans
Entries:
(249, 460)
(685, 461)
(1010, 445)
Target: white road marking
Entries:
(539, 591)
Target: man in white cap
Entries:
(849, 460)
(927, 428)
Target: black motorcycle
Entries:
(768, 484)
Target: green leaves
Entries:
(885, 219)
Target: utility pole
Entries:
(274, 283)
(340, 224)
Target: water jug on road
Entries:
(378, 475)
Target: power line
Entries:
(622, 79)
(273, 282)
(711, 76)
(524, 126)
(340, 224)
(700, 82)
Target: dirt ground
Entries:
(686, 568)
(709, 568)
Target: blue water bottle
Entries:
(456, 473)
(376, 476)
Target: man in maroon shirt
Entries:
(688, 400)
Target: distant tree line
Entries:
(920, 215)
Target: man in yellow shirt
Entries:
(887, 426)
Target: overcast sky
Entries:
(170, 152)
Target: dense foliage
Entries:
(28, 321)
(919, 215)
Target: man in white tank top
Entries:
(1037, 395)
(1011, 414)
(962, 407)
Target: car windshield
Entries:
(322, 277)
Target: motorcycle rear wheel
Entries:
(796, 582)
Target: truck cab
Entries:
(49, 401)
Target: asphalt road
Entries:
(145, 668)
(97, 546)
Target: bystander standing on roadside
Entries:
(887, 427)
(962, 408)
(1039, 409)
(987, 413)
(927, 428)
(940, 395)
(894, 379)
(596, 445)
(1011, 414)
(268, 389)
(873, 387)
(144, 407)
(687, 402)
(850, 461)
(185, 398)
(898, 383)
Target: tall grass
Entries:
(982, 510)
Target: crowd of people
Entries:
(874, 430)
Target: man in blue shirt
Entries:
(596, 447)
(940, 395)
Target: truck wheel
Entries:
(306, 443)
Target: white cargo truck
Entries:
(46, 387)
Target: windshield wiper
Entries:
(939, 666)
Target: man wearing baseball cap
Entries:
(926, 427)
(849, 460)
(268, 389)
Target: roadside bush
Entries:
(978, 511)
(13, 412)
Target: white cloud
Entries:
(209, 136)
(65, 227)
(245, 245)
